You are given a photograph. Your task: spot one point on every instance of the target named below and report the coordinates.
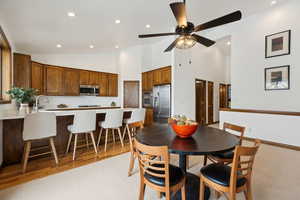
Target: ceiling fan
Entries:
(186, 30)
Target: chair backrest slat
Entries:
(236, 128)
(153, 160)
(240, 166)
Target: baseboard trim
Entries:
(281, 145)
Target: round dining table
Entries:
(204, 141)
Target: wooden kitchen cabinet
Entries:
(113, 85)
(21, 70)
(94, 78)
(144, 81)
(54, 81)
(165, 74)
(149, 81)
(84, 77)
(156, 77)
(149, 117)
(37, 77)
(103, 84)
(71, 82)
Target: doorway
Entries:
(223, 91)
(210, 102)
(200, 86)
(131, 98)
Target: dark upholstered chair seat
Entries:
(225, 155)
(176, 175)
(220, 174)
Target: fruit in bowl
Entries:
(182, 126)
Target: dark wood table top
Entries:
(205, 141)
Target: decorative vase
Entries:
(24, 108)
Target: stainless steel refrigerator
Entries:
(162, 102)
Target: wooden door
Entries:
(210, 102)
(156, 77)
(201, 102)
(166, 75)
(21, 70)
(149, 81)
(223, 96)
(54, 81)
(71, 82)
(113, 85)
(94, 78)
(37, 77)
(144, 81)
(103, 84)
(131, 94)
(84, 77)
(149, 117)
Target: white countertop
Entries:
(13, 114)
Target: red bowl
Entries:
(184, 131)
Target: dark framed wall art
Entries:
(277, 78)
(278, 44)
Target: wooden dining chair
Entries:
(226, 157)
(231, 180)
(157, 173)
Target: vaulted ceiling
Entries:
(37, 26)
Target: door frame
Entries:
(205, 82)
(139, 87)
(213, 103)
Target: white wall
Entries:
(130, 65)
(275, 128)
(208, 64)
(248, 58)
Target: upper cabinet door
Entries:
(94, 78)
(54, 81)
(166, 75)
(149, 80)
(156, 77)
(84, 77)
(21, 70)
(71, 82)
(144, 81)
(103, 84)
(37, 77)
(113, 85)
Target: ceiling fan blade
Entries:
(179, 12)
(156, 35)
(235, 16)
(172, 45)
(202, 40)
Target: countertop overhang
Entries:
(14, 114)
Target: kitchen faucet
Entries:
(36, 108)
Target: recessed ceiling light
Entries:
(58, 46)
(91, 46)
(118, 21)
(228, 43)
(148, 26)
(273, 2)
(71, 14)
(116, 46)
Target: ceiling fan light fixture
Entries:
(185, 42)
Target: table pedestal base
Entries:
(192, 188)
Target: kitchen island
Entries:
(11, 125)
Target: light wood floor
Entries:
(38, 168)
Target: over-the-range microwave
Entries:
(89, 90)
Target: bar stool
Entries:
(40, 125)
(136, 120)
(113, 121)
(84, 122)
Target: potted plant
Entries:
(23, 97)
